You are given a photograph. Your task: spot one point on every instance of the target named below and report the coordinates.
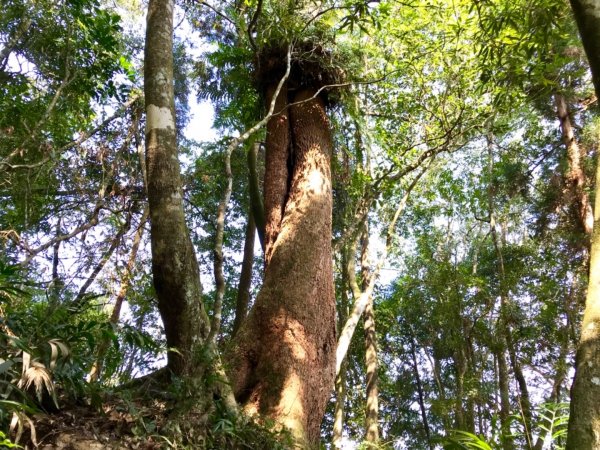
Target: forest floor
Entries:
(116, 424)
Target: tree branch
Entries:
(361, 298)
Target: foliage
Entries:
(57, 61)
(486, 262)
(463, 440)
(6, 443)
(554, 418)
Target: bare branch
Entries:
(93, 221)
(78, 301)
(252, 24)
(361, 298)
(218, 13)
(88, 134)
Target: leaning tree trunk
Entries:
(584, 422)
(282, 359)
(174, 264)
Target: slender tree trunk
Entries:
(575, 177)
(56, 284)
(78, 300)
(584, 421)
(338, 416)
(420, 392)
(243, 291)
(174, 264)
(125, 282)
(501, 326)
(256, 202)
(256, 223)
(460, 369)
(372, 394)
(361, 297)
(503, 385)
(372, 419)
(524, 402)
(283, 357)
(127, 373)
(505, 329)
(554, 397)
(437, 376)
(340, 380)
(470, 402)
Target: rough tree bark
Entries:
(587, 15)
(584, 422)
(174, 264)
(575, 177)
(282, 359)
(276, 168)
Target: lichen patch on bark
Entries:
(159, 118)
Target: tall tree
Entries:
(584, 422)
(284, 354)
(174, 264)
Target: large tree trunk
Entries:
(283, 357)
(174, 264)
(584, 422)
(587, 14)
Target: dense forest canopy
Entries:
(391, 243)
